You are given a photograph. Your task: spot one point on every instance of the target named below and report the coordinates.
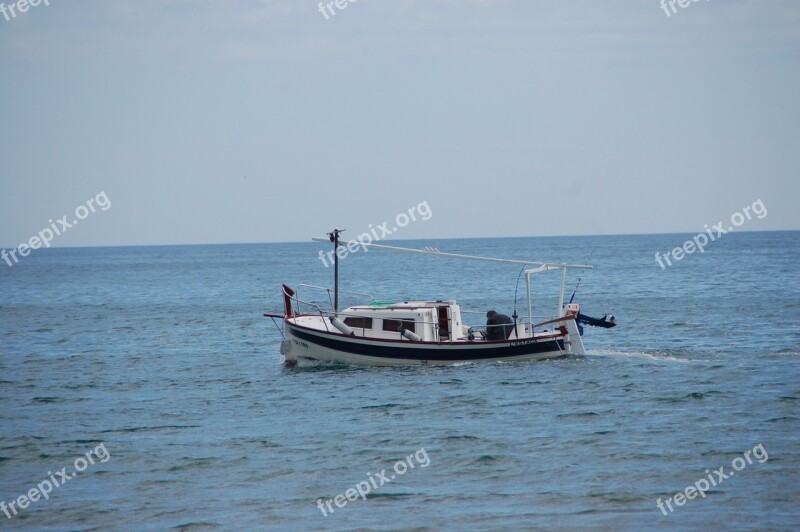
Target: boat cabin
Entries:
(430, 321)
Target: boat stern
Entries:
(573, 343)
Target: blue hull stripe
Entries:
(443, 352)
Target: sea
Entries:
(141, 388)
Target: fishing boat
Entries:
(392, 332)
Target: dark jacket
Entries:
(498, 326)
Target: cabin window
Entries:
(358, 322)
(396, 325)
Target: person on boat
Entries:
(498, 326)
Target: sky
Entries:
(228, 121)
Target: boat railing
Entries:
(299, 309)
(481, 313)
(329, 291)
(315, 307)
(530, 324)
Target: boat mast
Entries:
(334, 237)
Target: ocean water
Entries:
(158, 360)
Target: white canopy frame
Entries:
(539, 266)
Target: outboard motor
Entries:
(606, 322)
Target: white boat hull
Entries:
(303, 343)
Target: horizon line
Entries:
(392, 240)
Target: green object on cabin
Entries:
(382, 303)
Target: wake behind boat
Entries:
(390, 333)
